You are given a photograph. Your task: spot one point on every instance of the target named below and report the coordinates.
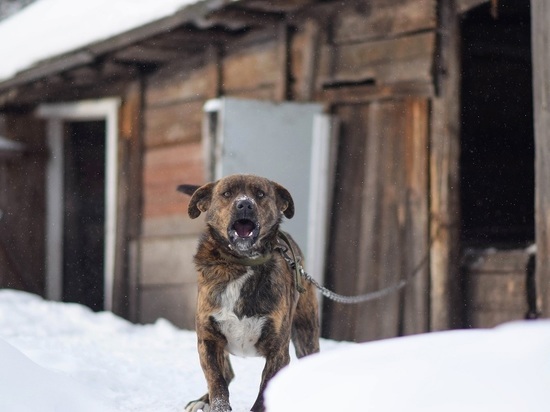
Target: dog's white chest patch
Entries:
(241, 334)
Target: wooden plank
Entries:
(354, 94)
(380, 220)
(253, 67)
(168, 260)
(383, 18)
(282, 85)
(175, 303)
(129, 203)
(140, 54)
(492, 318)
(180, 81)
(502, 261)
(342, 267)
(444, 177)
(304, 61)
(381, 263)
(505, 291)
(416, 239)
(164, 169)
(540, 38)
(401, 59)
(174, 123)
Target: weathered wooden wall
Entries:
(22, 204)
(372, 65)
(377, 73)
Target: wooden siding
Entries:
(383, 18)
(380, 219)
(540, 14)
(22, 202)
(401, 59)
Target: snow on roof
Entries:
(49, 28)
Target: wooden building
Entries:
(440, 172)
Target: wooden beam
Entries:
(444, 174)
(311, 56)
(145, 54)
(283, 55)
(540, 40)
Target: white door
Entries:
(289, 143)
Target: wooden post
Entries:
(282, 84)
(130, 203)
(540, 43)
(444, 174)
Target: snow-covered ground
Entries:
(506, 369)
(59, 357)
(65, 358)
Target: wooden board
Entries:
(173, 123)
(495, 287)
(164, 169)
(445, 299)
(182, 81)
(383, 18)
(251, 68)
(408, 58)
(380, 220)
(540, 12)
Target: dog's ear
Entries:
(188, 189)
(284, 200)
(200, 199)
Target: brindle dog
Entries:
(248, 299)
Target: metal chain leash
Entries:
(350, 300)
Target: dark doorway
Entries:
(84, 217)
(497, 140)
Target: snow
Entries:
(54, 354)
(65, 358)
(506, 369)
(49, 28)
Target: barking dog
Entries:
(248, 299)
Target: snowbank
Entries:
(506, 369)
(26, 387)
(48, 28)
(64, 357)
(54, 354)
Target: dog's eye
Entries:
(227, 193)
(260, 194)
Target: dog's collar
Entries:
(245, 261)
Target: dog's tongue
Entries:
(244, 227)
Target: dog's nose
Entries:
(244, 204)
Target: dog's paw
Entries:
(198, 405)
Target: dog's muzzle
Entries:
(244, 228)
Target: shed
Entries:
(437, 156)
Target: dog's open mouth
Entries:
(244, 227)
(243, 233)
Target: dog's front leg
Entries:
(212, 358)
(273, 364)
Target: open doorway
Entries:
(84, 213)
(81, 200)
(497, 163)
(497, 137)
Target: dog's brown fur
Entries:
(248, 302)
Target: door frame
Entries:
(56, 114)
